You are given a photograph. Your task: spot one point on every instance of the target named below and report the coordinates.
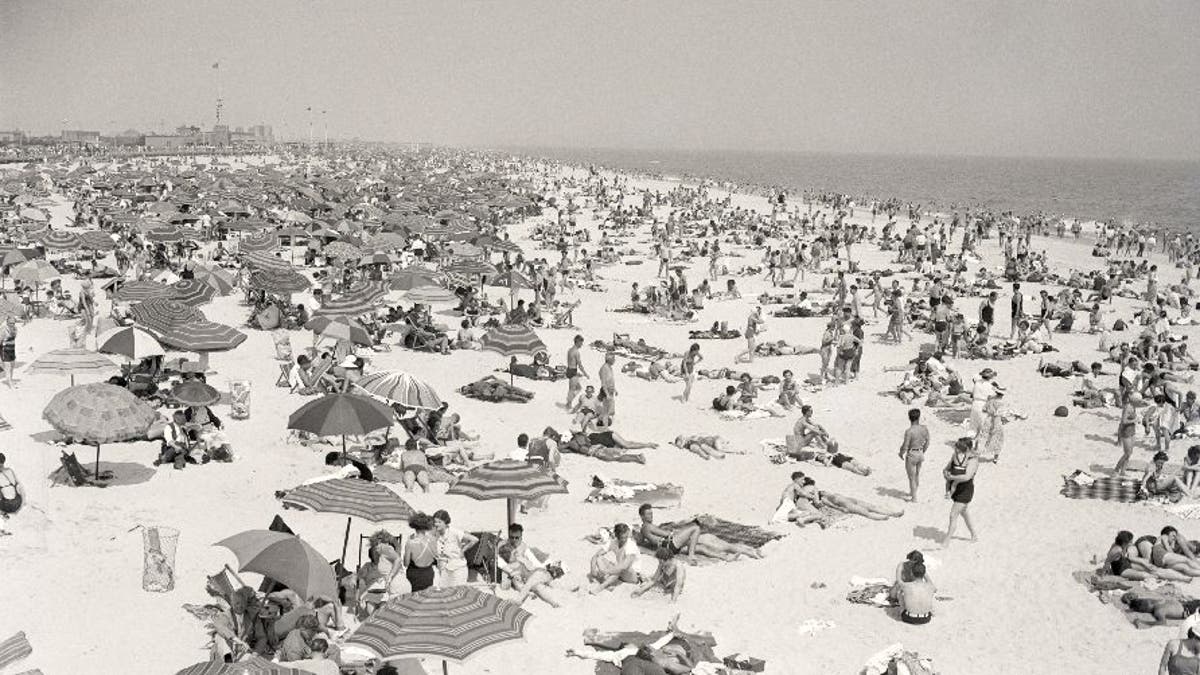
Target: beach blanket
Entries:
(14, 649)
(896, 659)
(617, 491)
(698, 646)
(874, 594)
(727, 530)
(1082, 485)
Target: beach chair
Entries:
(285, 371)
(76, 475)
(483, 560)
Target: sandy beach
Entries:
(73, 564)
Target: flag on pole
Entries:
(216, 65)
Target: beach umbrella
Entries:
(34, 272)
(388, 241)
(428, 295)
(465, 250)
(99, 413)
(58, 240)
(358, 299)
(376, 258)
(9, 308)
(34, 214)
(505, 246)
(342, 251)
(96, 240)
(192, 292)
(339, 327)
(404, 280)
(281, 281)
(400, 387)
(194, 393)
(258, 242)
(72, 362)
(259, 260)
(13, 257)
(512, 340)
(130, 342)
(212, 276)
(162, 314)
(285, 558)
(508, 479)
(447, 623)
(142, 290)
(254, 665)
(296, 217)
(341, 415)
(512, 280)
(165, 234)
(470, 267)
(351, 497)
(202, 337)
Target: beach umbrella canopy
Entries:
(202, 336)
(470, 267)
(34, 214)
(99, 413)
(58, 240)
(339, 327)
(505, 246)
(161, 314)
(400, 387)
(351, 497)
(428, 295)
(404, 280)
(72, 362)
(34, 272)
(513, 340)
(130, 342)
(9, 308)
(511, 279)
(165, 234)
(194, 393)
(285, 558)
(142, 290)
(96, 240)
(277, 280)
(358, 299)
(259, 260)
(341, 415)
(259, 241)
(376, 258)
(13, 257)
(342, 251)
(447, 623)
(508, 479)
(192, 292)
(254, 665)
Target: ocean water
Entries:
(1162, 192)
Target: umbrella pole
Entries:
(445, 668)
(346, 541)
(97, 461)
(512, 511)
(343, 447)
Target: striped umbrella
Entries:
(352, 497)
(408, 279)
(99, 413)
(400, 387)
(282, 281)
(192, 292)
(513, 340)
(58, 240)
(255, 665)
(221, 282)
(142, 290)
(168, 234)
(512, 279)
(260, 260)
(359, 299)
(339, 327)
(447, 623)
(71, 362)
(470, 267)
(508, 479)
(505, 246)
(96, 240)
(428, 295)
(202, 336)
(258, 242)
(132, 343)
(164, 314)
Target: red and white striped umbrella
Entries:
(203, 336)
(400, 387)
(162, 315)
(130, 342)
(59, 240)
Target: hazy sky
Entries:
(1036, 78)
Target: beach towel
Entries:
(1082, 485)
(14, 649)
(727, 530)
(698, 646)
(617, 491)
(896, 659)
(874, 594)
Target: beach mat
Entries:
(699, 647)
(1105, 488)
(735, 533)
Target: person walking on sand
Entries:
(1018, 309)
(1126, 430)
(608, 384)
(8, 347)
(688, 370)
(960, 486)
(754, 325)
(912, 451)
(575, 371)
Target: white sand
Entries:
(71, 574)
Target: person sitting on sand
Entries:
(670, 576)
(794, 506)
(691, 535)
(613, 564)
(12, 492)
(1155, 483)
(916, 596)
(1120, 562)
(809, 433)
(904, 572)
(789, 391)
(415, 465)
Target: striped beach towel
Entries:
(1106, 488)
(735, 533)
(14, 649)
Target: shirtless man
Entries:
(691, 535)
(810, 433)
(794, 505)
(608, 384)
(575, 371)
(916, 597)
(912, 451)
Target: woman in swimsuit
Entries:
(960, 485)
(1155, 483)
(420, 554)
(1126, 430)
(12, 495)
(1120, 561)
(1182, 656)
(688, 369)
(670, 575)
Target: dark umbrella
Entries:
(341, 415)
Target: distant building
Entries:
(165, 142)
(415, 146)
(14, 136)
(76, 136)
(263, 133)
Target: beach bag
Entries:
(158, 558)
(239, 399)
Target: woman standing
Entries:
(983, 389)
(960, 485)
(989, 440)
(420, 554)
(1126, 430)
(8, 346)
(451, 544)
(688, 369)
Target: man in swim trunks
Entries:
(692, 536)
(608, 385)
(916, 597)
(575, 371)
(912, 451)
(809, 432)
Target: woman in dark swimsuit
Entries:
(960, 485)
(1182, 656)
(420, 554)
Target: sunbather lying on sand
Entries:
(1121, 562)
(818, 498)
(689, 538)
(708, 447)
(1167, 551)
(661, 369)
(1162, 609)
(581, 444)
(782, 348)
